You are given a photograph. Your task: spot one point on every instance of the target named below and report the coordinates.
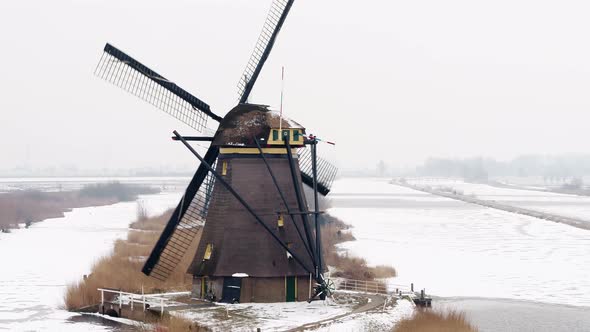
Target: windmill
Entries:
(258, 241)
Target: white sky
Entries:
(392, 80)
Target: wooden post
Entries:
(161, 306)
(102, 300)
(309, 285)
(412, 287)
(132, 302)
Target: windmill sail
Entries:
(184, 224)
(326, 172)
(274, 21)
(129, 74)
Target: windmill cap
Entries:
(246, 121)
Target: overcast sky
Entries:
(392, 80)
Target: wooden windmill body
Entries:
(258, 242)
(232, 243)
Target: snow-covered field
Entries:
(38, 262)
(453, 248)
(561, 204)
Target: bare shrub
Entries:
(428, 320)
(142, 213)
(155, 223)
(384, 271)
(117, 190)
(29, 206)
(148, 238)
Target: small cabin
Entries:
(277, 136)
(248, 121)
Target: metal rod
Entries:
(299, 212)
(195, 138)
(318, 234)
(274, 180)
(241, 200)
(300, 202)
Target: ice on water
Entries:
(468, 250)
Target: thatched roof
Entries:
(249, 120)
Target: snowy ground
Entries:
(38, 262)
(286, 316)
(453, 248)
(267, 316)
(377, 321)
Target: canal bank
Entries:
(41, 260)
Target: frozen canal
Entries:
(458, 249)
(38, 263)
(508, 272)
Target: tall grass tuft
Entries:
(117, 190)
(335, 231)
(428, 320)
(29, 206)
(122, 268)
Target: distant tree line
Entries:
(551, 168)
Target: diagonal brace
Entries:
(241, 200)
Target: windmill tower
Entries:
(259, 240)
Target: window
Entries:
(285, 134)
(275, 135)
(208, 252)
(296, 135)
(280, 220)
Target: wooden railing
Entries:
(372, 286)
(121, 298)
